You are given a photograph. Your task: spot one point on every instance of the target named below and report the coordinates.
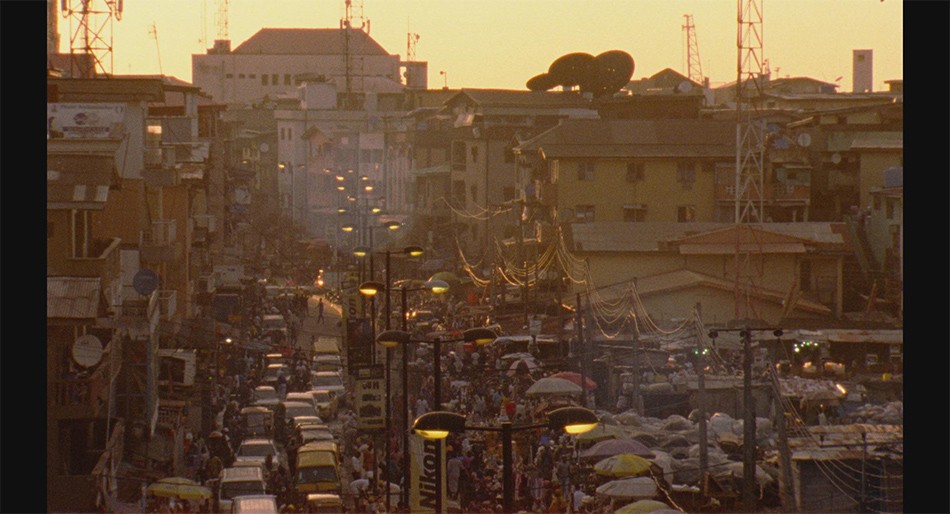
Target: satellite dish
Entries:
(836, 158)
(684, 87)
(804, 140)
(145, 282)
(87, 350)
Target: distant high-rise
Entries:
(862, 76)
(52, 28)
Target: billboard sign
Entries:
(83, 121)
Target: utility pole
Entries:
(582, 348)
(784, 455)
(701, 400)
(748, 425)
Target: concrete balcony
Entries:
(203, 226)
(157, 171)
(104, 264)
(79, 398)
(160, 242)
(167, 304)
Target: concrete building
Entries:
(127, 233)
(271, 60)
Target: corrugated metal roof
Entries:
(522, 99)
(78, 181)
(72, 297)
(619, 236)
(309, 42)
(637, 138)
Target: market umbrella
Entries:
(179, 487)
(575, 377)
(636, 487)
(613, 447)
(448, 277)
(735, 469)
(548, 385)
(510, 357)
(602, 432)
(523, 366)
(641, 507)
(623, 465)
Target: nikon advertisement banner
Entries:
(427, 473)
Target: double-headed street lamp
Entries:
(438, 425)
(391, 338)
(371, 289)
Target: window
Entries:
(229, 75)
(458, 155)
(584, 213)
(252, 76)
(635, 212)
(287, 79)
(263, 80)
(686, 173)
(877, 202)
(240, 75)
(508, 193)
(474, 154)
(585, 171)
(804, 276)
(890, 209)
(274, 79)
(686, 213)
(80, 222)
(634, 171)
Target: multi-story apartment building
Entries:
(126, 220)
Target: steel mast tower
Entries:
(346, 24)
(90, 35)
(750, 153)
(694, 69)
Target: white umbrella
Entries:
(550, 385)
(528, 365)
(637, 487)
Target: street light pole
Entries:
(438, 424)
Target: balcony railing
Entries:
(161, 233)
(167, 303)
(159, 243)
(104, 263)
(82, 394)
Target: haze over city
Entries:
(496, 44)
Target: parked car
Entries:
(293, 409)
(257, 450)
(239, 481)
(327, 403)
(329, 380)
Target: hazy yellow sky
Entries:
(501, 44)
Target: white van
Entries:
(239, 481)
(254, 504)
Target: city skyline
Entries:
(503, 44)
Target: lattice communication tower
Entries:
(90, 35)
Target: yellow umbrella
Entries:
(602, 432)
(179, 487)
(641, 507)
(622, 465)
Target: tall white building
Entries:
(862, 71)
(270, 60)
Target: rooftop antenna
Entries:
(221, 19)
(153, 31)
(445, 79)
(694, 70)
(90, 35)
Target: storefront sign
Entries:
(427, 473)
(83, 121)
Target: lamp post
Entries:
(479, 336)
(438, 424)
(371, 289)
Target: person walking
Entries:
(320, 311)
